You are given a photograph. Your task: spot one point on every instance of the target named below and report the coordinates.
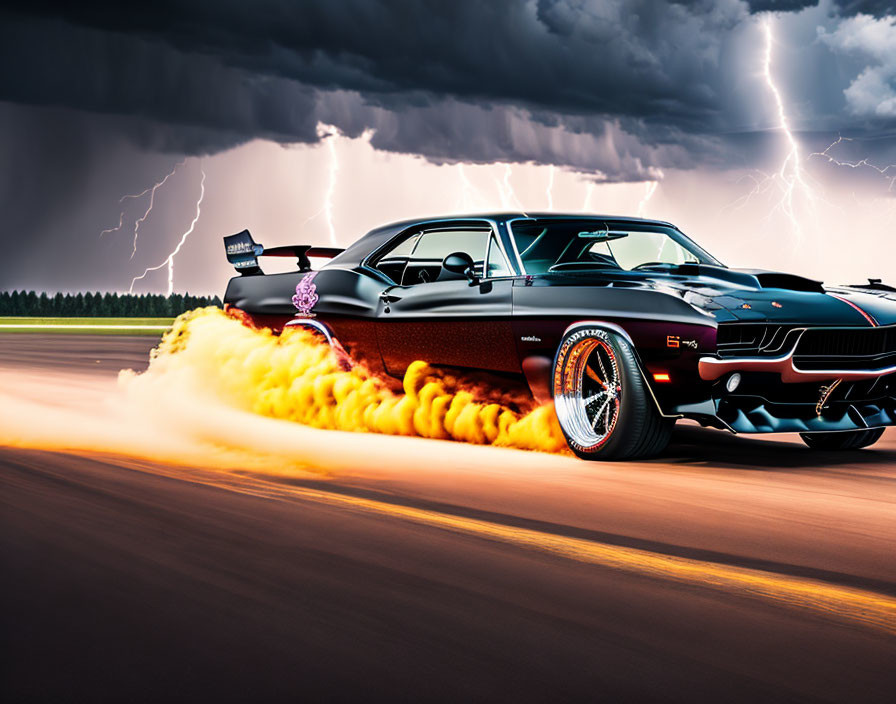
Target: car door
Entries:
(441, 319)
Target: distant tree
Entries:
(90, 304)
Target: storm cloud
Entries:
(873, 92)
(98, 100)
(620, 90)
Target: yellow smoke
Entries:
(297, 377)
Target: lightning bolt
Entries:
(883, 171)
(790, 179)
(761, 183)
(152, 196)
(467, 190)
(549, 191)
(505, 190)
(169, 260)
(117, 227)
(152, 189)
(331, 135)
(589, 190)
(648, 194)
(311, 217)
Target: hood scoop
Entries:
(789, 282)
(752, 278)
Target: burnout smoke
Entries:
(297, 377)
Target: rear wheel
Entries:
(602, 401)
(848, 440)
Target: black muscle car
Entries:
(625, 323)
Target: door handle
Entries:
(388, 298)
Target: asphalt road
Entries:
(730, 570)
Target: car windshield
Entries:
(570, 245)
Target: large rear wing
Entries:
(243, 252)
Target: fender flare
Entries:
(345, 359)
(314, 325)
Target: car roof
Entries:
(356, 252)
(516, 215)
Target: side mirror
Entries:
(460, 263)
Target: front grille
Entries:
(863, 342)
(814, 349)
(846, 349)
(754, 339)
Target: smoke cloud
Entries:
(219, 395)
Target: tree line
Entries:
(125, 305)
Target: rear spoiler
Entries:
(243, 252)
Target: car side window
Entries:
(497, 264)
(393, 262)
(424, 265)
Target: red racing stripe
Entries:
(865, 315)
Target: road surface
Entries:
(731, 569)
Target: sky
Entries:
(763, 129)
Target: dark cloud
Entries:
(620, 58)
(99, 99)
(620, 88)
(196, 102)
(780, 5)
(212, 74)
(844, 8)
(876, 8)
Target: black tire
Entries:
(847, 440)
(586, 395)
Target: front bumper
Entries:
(785, 379)
(755, 414)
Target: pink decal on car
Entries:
(306, 295)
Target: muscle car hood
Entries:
(765, 296)
(751, 295)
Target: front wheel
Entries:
(602, 401)
(845, 440)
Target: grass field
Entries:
(86, 326)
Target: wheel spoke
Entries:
(598, 414)
(594, 376)
(603, 371)
(591, 399)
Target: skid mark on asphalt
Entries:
(858, 606)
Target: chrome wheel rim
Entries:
(587, 388)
